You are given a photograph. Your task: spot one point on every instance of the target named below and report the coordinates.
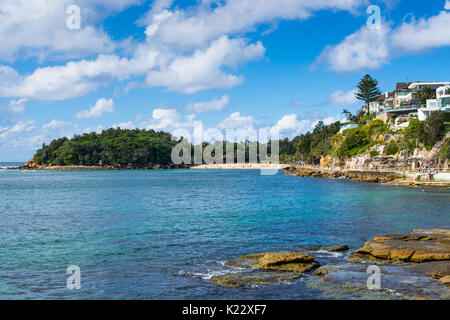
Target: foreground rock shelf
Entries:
(267, 268)
(414, 265)
(429, 250)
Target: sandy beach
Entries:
(249, 166)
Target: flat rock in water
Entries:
(416, 247)
(428, 252)
(398, 281)
(281, 261)
(243, 279)
(267, 268)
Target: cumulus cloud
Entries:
(18, 105)
(212, 105)
(364, 49)
(290, 125)
(423, 34)
(38, 28)
(373, 48)
(185, 50)
(97, 110)
(204, 69)
(236, 120)
(186, 29)
(342, 98)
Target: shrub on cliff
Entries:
(445, 152)
(374, 153)
(392, 148)
(430, 131)
(356, 141)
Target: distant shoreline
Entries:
(234, 166)
(368, 176)
(242, 166)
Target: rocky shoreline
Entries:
(388, 177)
(422, 254)
(31, 165)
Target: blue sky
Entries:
(240, 64)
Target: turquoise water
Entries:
(163, 234)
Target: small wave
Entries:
(8, 167)
(211, 272)
(325, 254)
(206, 275)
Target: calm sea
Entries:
(163, 234)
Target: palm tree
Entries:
(424, 94)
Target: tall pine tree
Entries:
(367, 90)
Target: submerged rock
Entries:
(267, 268)
(255, 278)
(398, 281)
(338, 248)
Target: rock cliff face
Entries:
(419, 157)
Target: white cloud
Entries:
(185, 51)
(203, 69)
(200, 71)
(364, 49)
(342, 98)
(98, 110)
(183, 29)
(124, 125)
(447, 5)
(423, 34)
(373, 48)
(54, 124)
(236, 120)
(38, 28)
(71, 80)
(290, 125)
(18, 105)
(212, 105)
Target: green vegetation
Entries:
(445, 152)
(311, 146)
(392, 148)
(374, 153)
(430, 131)
(114, 147)
(358, 140)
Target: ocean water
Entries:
(6, 165)
(163, 234)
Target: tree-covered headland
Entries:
(147, 148)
